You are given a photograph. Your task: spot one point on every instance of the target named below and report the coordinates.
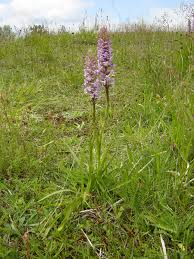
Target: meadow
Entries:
(126, 193)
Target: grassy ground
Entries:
(64, 195)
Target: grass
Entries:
(66, 194)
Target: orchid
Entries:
(105, 64)
(91, 81)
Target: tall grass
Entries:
(127, 193)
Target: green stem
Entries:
(107, 98)
(94, 111)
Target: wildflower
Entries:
(91, 81)
(105, 64)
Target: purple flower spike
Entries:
(105, 65)
(91, 81)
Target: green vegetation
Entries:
(66, 194)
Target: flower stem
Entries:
(94, 111)
(107, 99)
